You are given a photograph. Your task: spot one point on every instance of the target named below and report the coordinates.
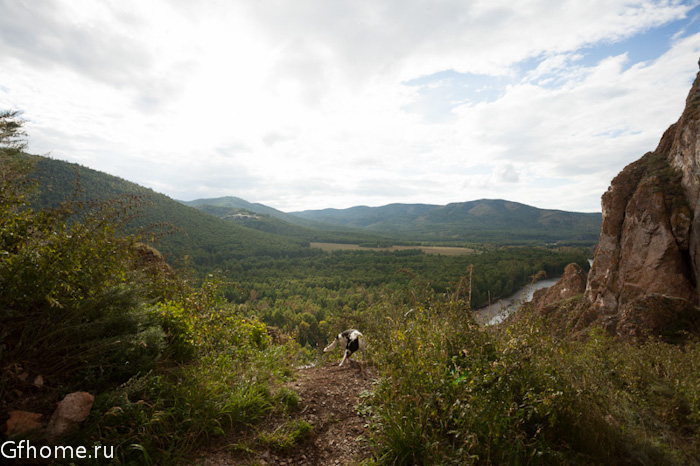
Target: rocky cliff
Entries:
(645, 273)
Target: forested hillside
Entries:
(238, 204)
(289, 226)
(181, 231)
(478, 221)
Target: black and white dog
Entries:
(352, 340)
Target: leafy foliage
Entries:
(70, 298)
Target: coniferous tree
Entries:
(12, 134)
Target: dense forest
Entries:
(299, 294)
(179, 352)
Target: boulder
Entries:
(71, 411)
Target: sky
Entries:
(310, 104)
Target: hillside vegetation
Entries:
(85, 306)
(175, 362)
(286, 226)
(452, 392)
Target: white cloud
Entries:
(311, 104)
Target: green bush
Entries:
(168, 415)
(221, 382)
(202, 322)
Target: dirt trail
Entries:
(328, 395)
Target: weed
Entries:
(287, 435)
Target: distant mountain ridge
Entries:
(219, 229)
(479, 220)
(483, 220)
(267, 219)
(232, 202)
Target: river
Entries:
(498, 311)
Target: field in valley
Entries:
(444, 250)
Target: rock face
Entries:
(644, 275)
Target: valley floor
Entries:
(328, 396)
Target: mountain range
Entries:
(211, 231)
(189, 234)
(479, 220)
(484, 220)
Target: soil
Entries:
(328, 397)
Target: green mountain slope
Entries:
(263, 218)
(236, 203)
(484, 220)
(207, 240)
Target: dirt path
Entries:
(328, 395)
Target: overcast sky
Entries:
(305, 104)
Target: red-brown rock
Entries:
(71, 411)
(571, 284)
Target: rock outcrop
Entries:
(644, 275)
(571, 284)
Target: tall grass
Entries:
(452, 392)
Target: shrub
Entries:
(73, 308)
